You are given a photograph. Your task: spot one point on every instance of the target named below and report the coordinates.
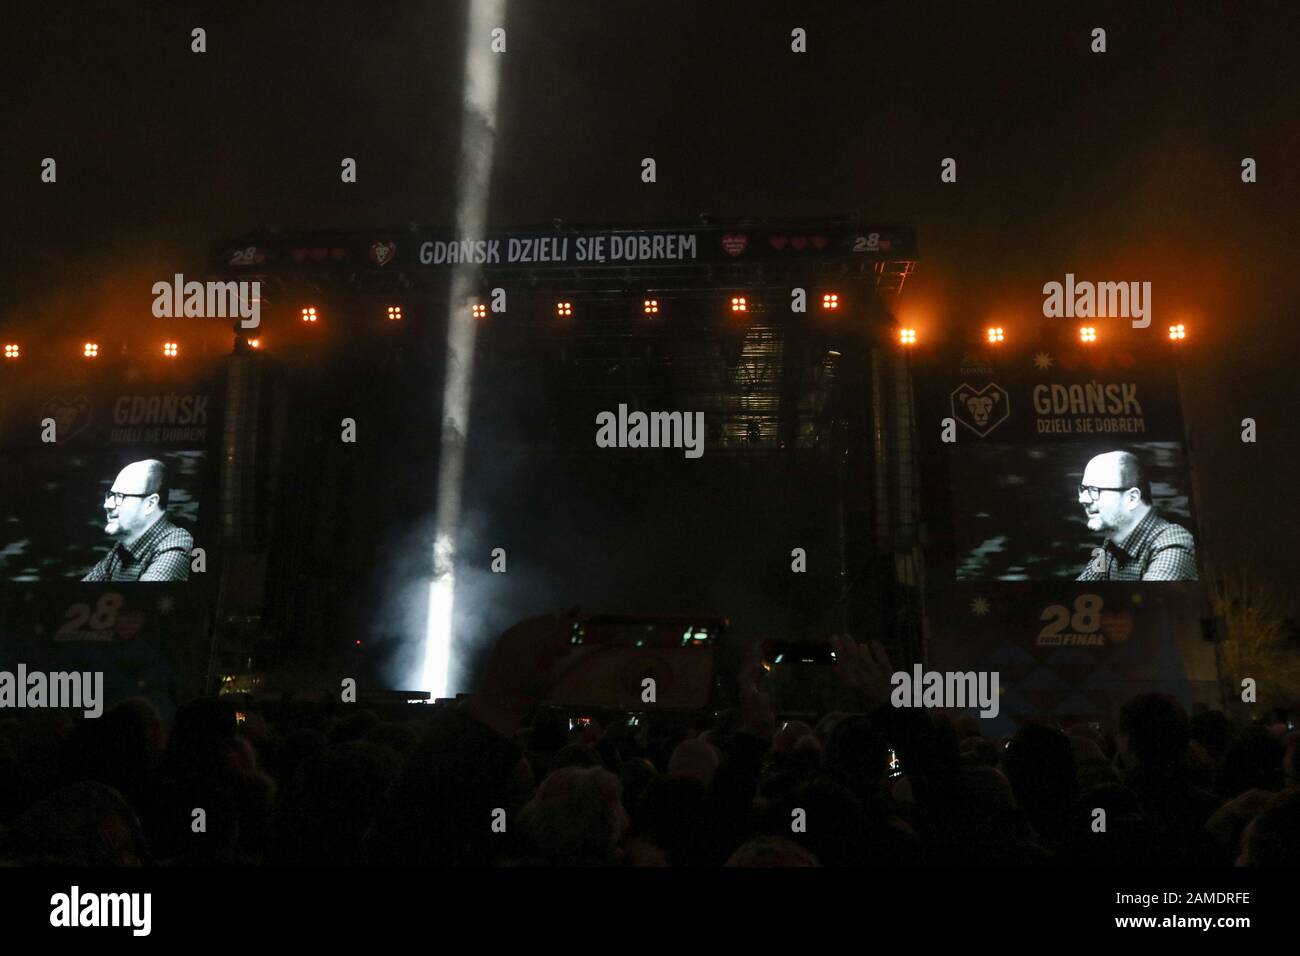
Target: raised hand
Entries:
(865, 668)
(756, 716)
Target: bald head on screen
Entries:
(148, 547)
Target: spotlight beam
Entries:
(440, 672)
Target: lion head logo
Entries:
(70, 415)
(981, 409)
(381, 253)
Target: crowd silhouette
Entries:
(497, 780)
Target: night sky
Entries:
(1124, 165)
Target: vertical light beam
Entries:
(473, 183)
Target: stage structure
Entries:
(850, 473)
(781, 333)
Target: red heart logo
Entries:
(735, 245)
(299, 255)
(1118, 628)
(259, 258)
(778, 242)
(885, 243)
(382, 252)
(799, 242)
(819, 242)
(129, 624)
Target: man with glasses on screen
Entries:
(1140, 545)
(149, 547)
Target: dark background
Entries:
(1117, 166)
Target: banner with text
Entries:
(1061, 528)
